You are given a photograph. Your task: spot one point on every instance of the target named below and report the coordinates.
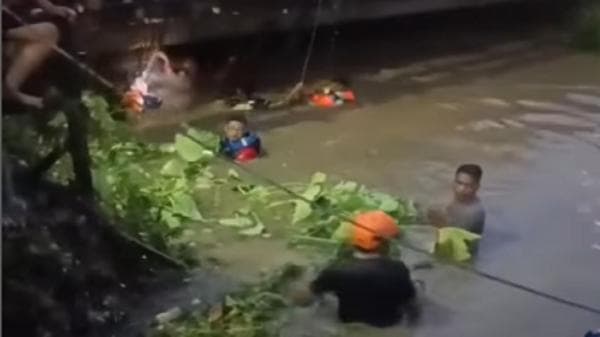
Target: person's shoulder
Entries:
(251, 138)
(394, 264)
(250, 134)
(478, 206)
(334, 272)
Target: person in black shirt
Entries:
(371, 288)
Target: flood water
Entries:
(510, 97)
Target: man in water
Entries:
(465, 210)
(371, 287)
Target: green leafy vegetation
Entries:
(252, 312)
(151, 188)
(33, 139)
(322, 208)
(163, 193)
(320, 213)
(455, 244)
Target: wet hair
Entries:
(237, 118)
(473, 170)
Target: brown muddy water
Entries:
(510, 97)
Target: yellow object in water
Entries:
(455, 244)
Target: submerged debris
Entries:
(169, 315)
(251, 312)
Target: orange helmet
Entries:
(372, 228)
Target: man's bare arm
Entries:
(62, 11)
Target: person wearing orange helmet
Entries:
(371, 287)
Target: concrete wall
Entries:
(184, 21)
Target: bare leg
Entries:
(35, 42)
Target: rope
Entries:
(334, 35)
(219, 156)
(311, 43)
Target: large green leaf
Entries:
(137, 175)
(407, 210)
(244, 211)
(343, 232)
(184, 205)
(167, 148)
(206, 155)
(281, 203)
(208, 173)
(355, 202)
(318, 178)
(346, 186)
(170, 219)
(312, 192)
(453, 243)
(203, 183)
(233, 174)
(386, 202)
(238, 222)
(259, 193)
(188, 149)
(257, 229)
(302, 211)
(174, 167)
(206, 138)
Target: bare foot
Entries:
(25, 99)
(32, 101)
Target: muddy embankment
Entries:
(68, 271)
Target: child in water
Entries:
(239, 143)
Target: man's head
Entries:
(466, 182)
(372, 231)
(235, 128)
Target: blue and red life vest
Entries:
(244, 149)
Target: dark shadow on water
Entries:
(433, 314)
